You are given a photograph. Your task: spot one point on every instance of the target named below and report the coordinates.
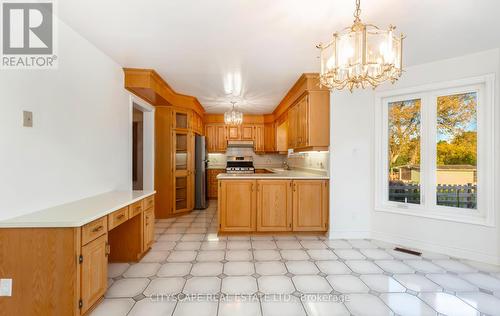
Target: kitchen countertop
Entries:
(77, 213)
(276, 174)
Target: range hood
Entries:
(240, 144)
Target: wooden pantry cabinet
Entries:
(273, 205)
(64, 270)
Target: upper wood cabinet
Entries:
(181, 119)
(210, 137)
(310, 205)
(94, 272)
(220, 138)
(233, 132)
(237, 205)
(258, 140)
(308, 122)
(270, 137)
(274, 205)
(247, 132)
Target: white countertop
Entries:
(277, 174)
(77, 213)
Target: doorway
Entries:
(141, 144)
(137, 149)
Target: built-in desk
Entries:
(58, 257)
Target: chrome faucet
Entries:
(285, 165)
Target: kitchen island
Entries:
(279, 201)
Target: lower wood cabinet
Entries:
(149, 228)
(94, 272)
(237, 205)
(273, 205)
(310, 205)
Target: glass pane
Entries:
(456, 169)
(181, 120)
(180, 152)
(180, 193)
(404, 151)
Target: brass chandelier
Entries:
(361, 55)
(233, 116)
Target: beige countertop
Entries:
(77, 213)
(277, 174)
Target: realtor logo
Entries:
(28, 35)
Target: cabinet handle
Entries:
(98, 228)
(294, 187)
(108, 249)
(121, 216)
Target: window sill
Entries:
(438, 215)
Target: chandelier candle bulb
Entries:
(361, 55)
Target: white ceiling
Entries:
(205, 47)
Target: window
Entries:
(434, 151)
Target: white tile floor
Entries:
(191, 271)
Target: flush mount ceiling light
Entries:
(233, 117)
(361, 55)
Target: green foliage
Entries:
(461, 150)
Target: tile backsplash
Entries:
(217, 161)
(310, 160)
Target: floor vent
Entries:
(411, 252)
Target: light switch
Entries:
(27, 119)
(5, 287)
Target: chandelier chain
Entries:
(357, 12)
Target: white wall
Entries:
(352, 168)
(351, 128)
(79, 143)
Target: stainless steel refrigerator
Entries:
(201, 181)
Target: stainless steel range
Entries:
(239, 164)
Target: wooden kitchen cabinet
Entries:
(247, 132)
(274, 205)
(149, 228)
(269, 137)
(94, 272)
(210, 137)
(220, 138)
(237, 205)
(310, 205)
(233, 132)
(258, 142)
(308, 122)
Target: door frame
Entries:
(149, 144)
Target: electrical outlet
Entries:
(27, 119)
(5, 287)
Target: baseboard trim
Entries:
(348, 235)
(461, 253)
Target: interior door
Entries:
(237, 205)
(94, 272)
(274, 205)
(310, 205)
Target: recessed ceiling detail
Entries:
(196, 46)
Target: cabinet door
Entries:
(269, 137)
(237, 205)
(292, 127)
(94, 272)
(149, 228)
(210, 137)
(191, 171)
(274, 205)
(246, 132)
(181, 119)
(221, 138)
(233, 132)
(259, 138)
(303, 122)
(310, 205)
(181, 193)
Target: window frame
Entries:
(484, 213)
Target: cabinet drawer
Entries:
(148, 202)
(94, 229)
(135, 209)
(117, 217)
